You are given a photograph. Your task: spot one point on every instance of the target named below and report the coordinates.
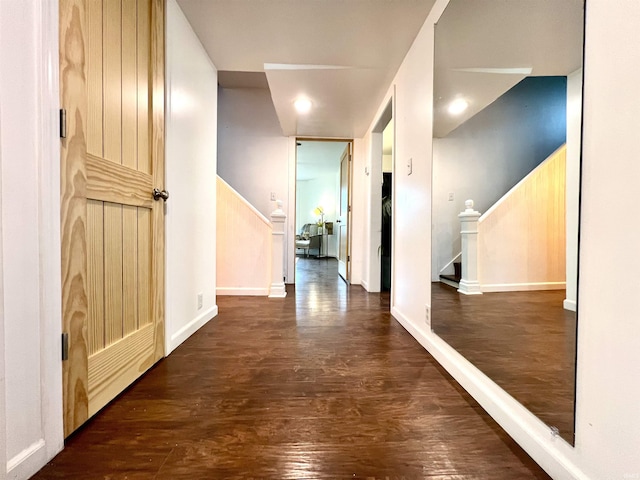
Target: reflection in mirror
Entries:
(507, 123)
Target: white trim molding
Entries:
(48, 144)
(27, 462)
(3, 408)
(522, 287)
(191, 328)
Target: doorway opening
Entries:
(387, 208)
(381, 200)
(323, 189)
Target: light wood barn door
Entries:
(112, 88)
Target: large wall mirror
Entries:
(507, 135)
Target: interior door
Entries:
(112, 88)
(344, 258)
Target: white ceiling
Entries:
(542, 35)
(316, 159)
(341, 54)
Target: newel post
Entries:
(469, 284)
(277, 288)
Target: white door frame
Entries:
(39, 43)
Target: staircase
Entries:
(249, 246)
(519, 243)
(453, 280)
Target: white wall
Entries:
(372, 152)
(607, 408)
(323, 190)
(411, 244)
(30, 373)
(192, 87)
(254, 155)
(572, 187)
(252, 151)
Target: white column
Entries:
(277, 288)
(469, 284)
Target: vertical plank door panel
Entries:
(143, 78)
(94, 78)
(112, 51)
(129, 84)
(95, 275)
(144, 267)
(112, 272)
(130, 268)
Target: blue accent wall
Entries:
(529, 122)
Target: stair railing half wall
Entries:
(519, 243)
(250, 248)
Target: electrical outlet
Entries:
(427, 315)
(451, 196)
(199, 301)
(273, 196)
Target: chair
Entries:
(302, 243)
(308, 238)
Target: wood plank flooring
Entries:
(322, 384)
(524, 341)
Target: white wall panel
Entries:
(192, 86)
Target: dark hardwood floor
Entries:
(322, 384)
(524, 341)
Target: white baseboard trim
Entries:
(552, 453)
(243, 291)
(278, 290)
(522, 287)
(191, 328)
(365, 284)
(27, 462)
(570, 305)
(469, 287)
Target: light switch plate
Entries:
(410, 166)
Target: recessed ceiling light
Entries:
(303, 105)
(458, 106)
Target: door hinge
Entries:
(348, 258)
(63, 123)
(349, 208)
(65, 346)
